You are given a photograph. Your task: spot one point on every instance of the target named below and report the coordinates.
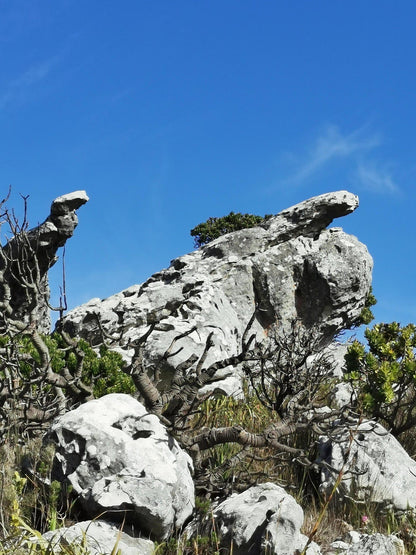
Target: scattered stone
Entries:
(367, 544)
(100, 538)
(121, 461)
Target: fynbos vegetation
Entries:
(271, 432)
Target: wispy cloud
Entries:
(376, 179)
(18, 88)
(352, 150)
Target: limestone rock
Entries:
(263, 519)
(119, 458)
(292, 267)
(310, 217)
(382, 471)
(101, 537)
(44, 242)
(367, 544)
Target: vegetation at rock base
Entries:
(213, 228)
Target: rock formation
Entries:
(378, 469)
(31, 258)
(121, 461)
(357, 543)
(291, 267)
(263, 519)
(118, 458)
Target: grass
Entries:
(29, 507)
(325, 519)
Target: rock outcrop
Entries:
(291, 267)
(378, 469)
(31, 258)
(120, 461)
(263, 519)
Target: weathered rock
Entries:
(292, 267)
(44, 242)
(100, 537)
(342, 395)
(367, 544)
(119, 458)
(310, 217)
(336, 352)
(378, 469)
(263, 519)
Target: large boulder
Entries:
(120, 460)
(30, 259)
(376, 467)
(289, 268)
(263, 519)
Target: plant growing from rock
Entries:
(213, 228)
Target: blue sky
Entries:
(168, 112)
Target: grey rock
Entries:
(310, 217)
(118, 458)
(262, 519)
(378, 469)
(336, 352)
(292, 267)
(342, 395)
(231, 386)
(100, 539)
(44, 241)
(367, 544)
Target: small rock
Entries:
(101, 538)
(367, 544)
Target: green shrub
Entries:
(367, 315)
(384, 374)
(213, 228)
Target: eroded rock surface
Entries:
(378, 468)
(292, 267)
(368, 544)
(39, 256)
(118, 458)
(263, 519)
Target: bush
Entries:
(384, 374)
(215, 227)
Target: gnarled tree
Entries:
(39, 378)
(289, 375)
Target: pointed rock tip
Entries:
(69, 202)
(311, 216)
(338, 203)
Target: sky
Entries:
(168, 112)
